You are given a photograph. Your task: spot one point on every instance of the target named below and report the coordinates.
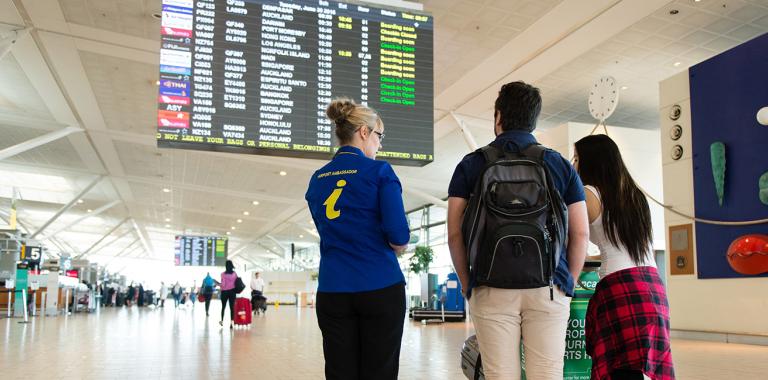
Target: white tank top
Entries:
(612, 257)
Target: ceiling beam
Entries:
(290, 214)
(143, 236)
(465, 132)
(36, 142)
(82, 218)
(67, 206)
(109, 233)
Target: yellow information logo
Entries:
(330, 203)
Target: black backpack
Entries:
(515, 221)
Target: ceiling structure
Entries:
(87, 70)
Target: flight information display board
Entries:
(200, 251)
(255, 76)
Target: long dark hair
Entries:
(229, 266)
(626, 215)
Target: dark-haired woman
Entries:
(357, 206)
(228, 295)
(627, 326)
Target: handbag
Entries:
(200, 297)
(239, 285)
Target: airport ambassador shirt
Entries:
(564, 177)
(357, 206)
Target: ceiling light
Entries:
(167, 226)
(229, 233)
(157, 83)
(301, 236)
(283, 173)
(89, 210)
(246, 213)
(166, 190)
(167, 219)
(233, 227)
(239, 220)
(80, 201)
(676, 64)
(624, 88)
(255, 203)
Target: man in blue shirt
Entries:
(501, 316)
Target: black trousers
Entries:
(207, 297)
(362, 333)
(228, 296)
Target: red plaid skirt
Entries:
(627, 325)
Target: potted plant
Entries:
(422, 257)
(419, 264)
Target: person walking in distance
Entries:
(163, 294)
(207, 291)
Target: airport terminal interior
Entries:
(144, 143)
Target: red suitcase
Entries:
(242, 311)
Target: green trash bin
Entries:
(578, 365)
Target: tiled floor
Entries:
(286, 344)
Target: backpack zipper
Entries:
(493, 258)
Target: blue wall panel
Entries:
(726, 93)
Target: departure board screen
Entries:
(255, 76)
(200, 251)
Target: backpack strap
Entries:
(534, 150)
(491, 153)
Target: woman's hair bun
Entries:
(340, 109)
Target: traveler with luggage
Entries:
(512, 206)
(228, 292)
(207, 291)
(357, 206)
(258, 301)
(627, 324)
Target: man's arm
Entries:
(456, 206)
(578, 237)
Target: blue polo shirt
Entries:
(564, 178)
(357, 206)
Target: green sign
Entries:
(21, 287)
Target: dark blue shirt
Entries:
(357, 206)
(564, 177)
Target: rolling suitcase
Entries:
(242, 311)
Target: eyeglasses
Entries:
(381, 135)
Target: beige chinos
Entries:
(500, 315)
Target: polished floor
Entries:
(285, 344)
